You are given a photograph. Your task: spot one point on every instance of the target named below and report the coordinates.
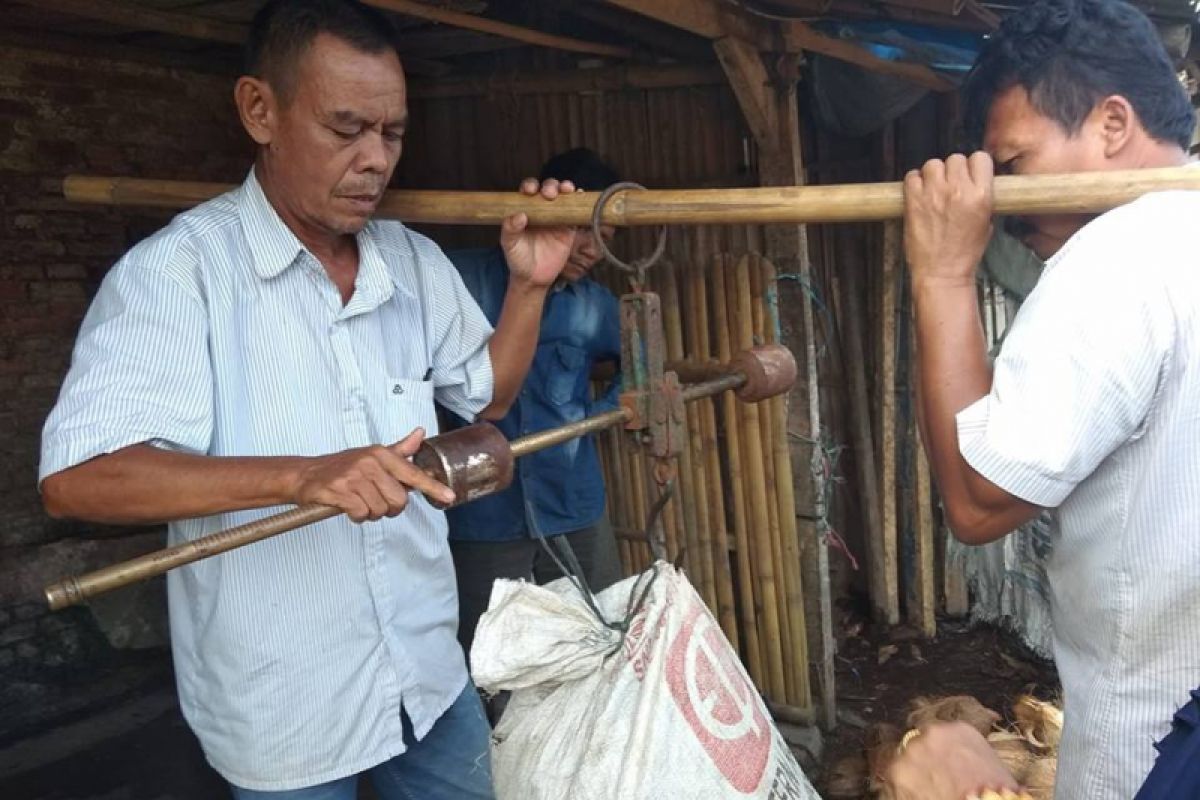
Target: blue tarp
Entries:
(949, 51)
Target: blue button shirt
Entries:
(564, 484)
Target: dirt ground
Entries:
(137, 746)
(985, 662)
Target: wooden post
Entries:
(886, 404)
(885, 384)
(923, 614)
(852, 266)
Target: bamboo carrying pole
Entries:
(1015, 194)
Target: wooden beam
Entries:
(708, 18)
(989, 19)
(714, 21)
(142, 18)
(752, 88)
(658, 38)
(574, 81)
(221, 63)
(800, 36)
(949, 8)
(974, 17)
(701, 17)
(443, 42)
(475, 22)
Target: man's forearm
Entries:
(513, 344)
(143, 484)
(954, 372)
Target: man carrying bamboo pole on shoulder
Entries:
(1093, 405)
(277, 346)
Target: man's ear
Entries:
(1118, 123)
(258, 107)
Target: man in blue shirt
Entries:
(557, 492)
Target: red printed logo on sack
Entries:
(717, 700)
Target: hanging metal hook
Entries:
(638, 267)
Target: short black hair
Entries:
(283, 30)
(583, 167)
(1071, 54)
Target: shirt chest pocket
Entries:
(406, 404)
(560, 368)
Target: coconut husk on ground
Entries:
(1039, 722)
(1029, 748)
(958, 708)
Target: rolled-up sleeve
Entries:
(140, 372)
(1078, 374)
(462, 366)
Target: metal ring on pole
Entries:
(640, 266)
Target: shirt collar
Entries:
(272, 244)
(274, 247)
(374, 284)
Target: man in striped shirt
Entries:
(1093, 405)
(277, 346)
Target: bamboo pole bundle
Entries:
(610, 481)
(755, 482)
(644, 496)
(737, 423)
(631, 491)
(785, 498)
(693, 296)
(706, 452)
(686, 496)
(770, 488)
(620, 496)
(747, 587)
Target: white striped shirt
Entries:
(1095, 410)
(222, 335)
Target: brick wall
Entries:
(61, 114)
